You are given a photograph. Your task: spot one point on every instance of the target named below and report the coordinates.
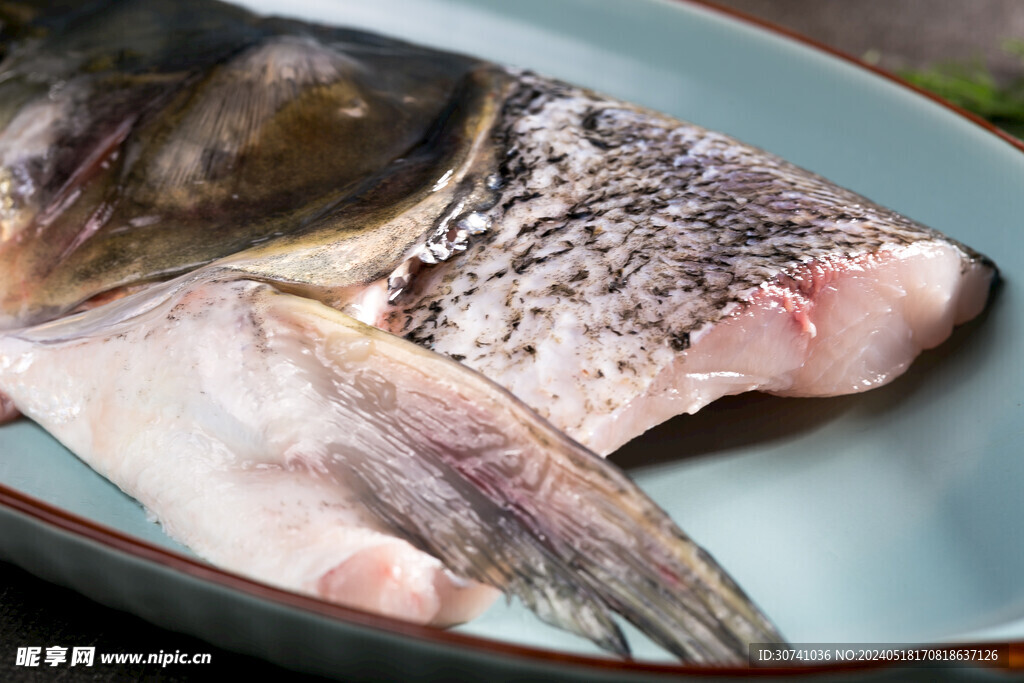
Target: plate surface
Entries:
(891, 516)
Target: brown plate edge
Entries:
(116, 541)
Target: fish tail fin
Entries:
(672, 590)
(646, 568)
(466, 472)
(478, 539)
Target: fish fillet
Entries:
(638, 267)
(198, 432)
(286, 441)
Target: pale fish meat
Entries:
(283, 439)
(216, 191)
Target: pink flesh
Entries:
(833, 327)
(8, 411)
(392, 579)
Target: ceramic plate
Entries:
(891, 516)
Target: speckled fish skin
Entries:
(623, 236)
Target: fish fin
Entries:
(445, 516)
(466, 472)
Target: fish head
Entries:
(123, 163)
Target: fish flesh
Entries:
(227, 193)
(637, 268)
(331, 434)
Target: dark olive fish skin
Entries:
(182, 141)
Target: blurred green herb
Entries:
(972, 86)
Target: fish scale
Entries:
(623, 229)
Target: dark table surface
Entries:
(901, 34)
(34, 613)
(895, 33)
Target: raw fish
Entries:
(282, 439)
(638, 267)
(196, 203)
(140, 140)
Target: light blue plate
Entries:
(893, 516)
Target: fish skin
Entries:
(439, 455)
(619, 228)
(126, 161)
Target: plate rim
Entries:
(850, 59)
